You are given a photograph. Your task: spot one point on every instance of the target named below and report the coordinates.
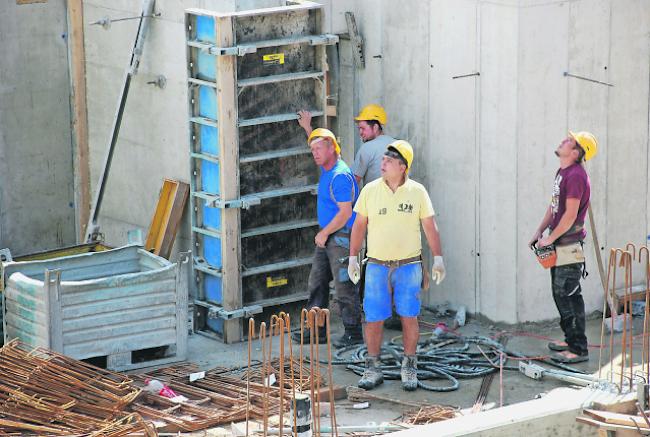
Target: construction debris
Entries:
(430, 414)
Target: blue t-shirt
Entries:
(335, 185)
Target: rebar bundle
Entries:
(44, 392)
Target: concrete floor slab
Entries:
(533, 407)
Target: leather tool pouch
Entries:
(546, 256)
(569, 254)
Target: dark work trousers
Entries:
(567, 294)
(330, 263)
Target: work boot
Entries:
(409, 372)
(394, 322)
(322, 336)
(350, 337)
(372, 375)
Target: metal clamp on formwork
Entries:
(243, 203)
(327, 39)
(216, 312)
(242, 50)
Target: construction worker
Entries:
(565, 219)
(337, 192)
(367, 164)
(394, 209)
(370, 122)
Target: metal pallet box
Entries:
(116, 304)
(253, 179)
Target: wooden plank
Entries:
(229, 175)
(167, 217)
(77, 60)
(616, 418)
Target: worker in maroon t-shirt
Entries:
(565, 219)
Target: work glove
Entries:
(438, 270)
(354, 269)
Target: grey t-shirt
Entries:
(367, 164)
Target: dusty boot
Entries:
(373, 375)
(409, 372)
(351, 336)
(322, 336)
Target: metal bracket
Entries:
(356, 40)
(223, 51)
(217, 312)
(327, 39)
(5, 255)
(243, 203)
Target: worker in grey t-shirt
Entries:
(370, 122)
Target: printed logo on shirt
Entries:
(405, 207)
(382, 211)
(555, 199)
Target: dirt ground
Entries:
(530, 340)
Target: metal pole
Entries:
(92, 230)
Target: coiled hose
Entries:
(447, 357)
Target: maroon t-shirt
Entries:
(570, 183)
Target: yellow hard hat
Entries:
(404, 149)
(324, 133)
(588, 142)
(372, 112)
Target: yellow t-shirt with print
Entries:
(394, 218)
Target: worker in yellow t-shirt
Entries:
(393, 210)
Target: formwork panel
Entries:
(299, 207)
(277, 247)
(291, 171)
(273, 285)
(278, 98)
(273, 137)
(276, 26)
(294, 58)
(253, 177)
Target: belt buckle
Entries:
(393, 263)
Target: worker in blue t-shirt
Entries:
(337, 192)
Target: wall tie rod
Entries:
(478, 73)
(567, 74)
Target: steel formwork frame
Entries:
(236, 65)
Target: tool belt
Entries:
(394, 264)
(557, 255)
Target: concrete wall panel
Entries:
(153, 138)
(36, 177)
(542, 107)
(452, 136)
(627, 156)
(587, 110)
(497, 290)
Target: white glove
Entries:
(438, 270)
(354, 269)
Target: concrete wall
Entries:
(484, 144)
(36, 177)
(153, 140)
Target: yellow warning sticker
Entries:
(276, 282)
(273, 59)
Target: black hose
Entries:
(439, 359)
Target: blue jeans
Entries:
(406, 283)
